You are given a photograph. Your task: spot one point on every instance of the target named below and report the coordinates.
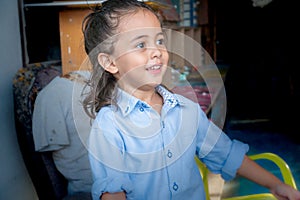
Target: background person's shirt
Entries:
(149, 155)
(60, 125)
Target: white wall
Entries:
(15, 182)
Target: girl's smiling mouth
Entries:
(154, 69)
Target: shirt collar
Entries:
(126, 102)
(169, 97)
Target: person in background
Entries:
(56, 129)
(144, 138)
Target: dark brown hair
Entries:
(99, 27)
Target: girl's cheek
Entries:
(166, 56)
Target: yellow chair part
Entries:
(204, 173)
(278, 161)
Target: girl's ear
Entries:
(106, 62)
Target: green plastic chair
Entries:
(277, 160)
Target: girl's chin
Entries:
(155, 72)
(150, 85)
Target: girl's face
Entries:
(140, 57)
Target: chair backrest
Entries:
(28, 82)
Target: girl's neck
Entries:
(149, 96)
(153, 99)
(146, 96)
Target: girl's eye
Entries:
(160, 42)
(140, 45)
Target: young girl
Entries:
(144, 138)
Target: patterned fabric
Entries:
(27, 83)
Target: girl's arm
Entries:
(254, 172)
(114, 196)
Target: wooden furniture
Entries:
(71, 39)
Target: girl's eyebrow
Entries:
(145, 36)
(139, 37)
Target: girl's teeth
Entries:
(154, 67)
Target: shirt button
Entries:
(127, 109)
(169, 154)
(141, 109)
(175, 186)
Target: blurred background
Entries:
(253, 43)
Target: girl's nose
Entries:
(156, 52)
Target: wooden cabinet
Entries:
(71, 39)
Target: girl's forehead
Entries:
(138, 21)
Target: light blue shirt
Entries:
(148, 155)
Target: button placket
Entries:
(175, 186)
(169, 154)
(127, 109)
(142, 109)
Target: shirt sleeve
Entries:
(108, 180)
(107, 177)
(220, 154)
(48, 121)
